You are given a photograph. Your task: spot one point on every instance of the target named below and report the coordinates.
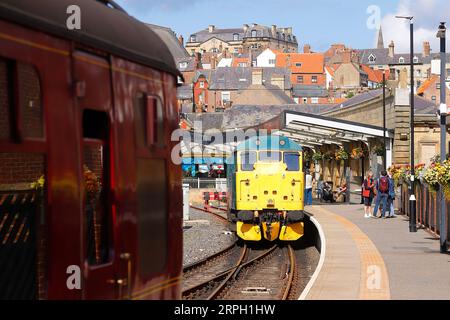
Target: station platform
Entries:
(379, 259)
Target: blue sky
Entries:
(317, 22)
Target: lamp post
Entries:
(412, 197)
(193, 97)
(443, 116)
(384, 120)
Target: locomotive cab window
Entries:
(270, 156)
(248, 160)
(292, 161)
(96, 183)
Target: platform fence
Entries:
(428, 209)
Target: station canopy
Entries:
(314, 131)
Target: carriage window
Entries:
(30, 101)
(96, 182)
(248, 160)
(272, 156)
(291, 160)
(149, 121)
(152, 215)
(21, 115)
(22, 219)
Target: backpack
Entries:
(383, 185)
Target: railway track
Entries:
(255, 274)
(247, 272)
(215, 211)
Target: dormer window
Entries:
(278, 35)
(235, 37)
(253, 33)
(284, 37)
(289, 38)
(193, 38)
(183, 65)
(372, 58)
(416, 60)
(401, 60)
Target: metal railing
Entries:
(219, 184)
(427, 208)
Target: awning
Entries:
(314, 131)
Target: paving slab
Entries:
(406, 265)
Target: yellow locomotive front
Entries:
(268, 187)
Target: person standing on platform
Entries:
(308, 188)
(382, 189)
(368, 193)
(391, 197)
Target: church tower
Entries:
(380, 44)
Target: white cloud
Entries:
(427, 16)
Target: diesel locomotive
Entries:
(266, 188)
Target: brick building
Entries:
(431, 89)
(305, 68)
(242, 40)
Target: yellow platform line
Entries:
(374, 280)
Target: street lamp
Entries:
(412, 197)
(384, 120)
(443, 116)
(193, 97)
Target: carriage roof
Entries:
(269, 142)
(104, 26)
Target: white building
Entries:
(225, 63)
(266, 59)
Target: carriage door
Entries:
(93, 90)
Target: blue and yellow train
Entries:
(266, 188)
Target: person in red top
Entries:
(368, 193)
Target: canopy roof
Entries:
(314, 131)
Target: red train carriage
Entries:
(90, 201)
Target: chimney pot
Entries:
(426, 49)
(391, 49)
(211, 28)
(306, 48)
(181, 40)
(257, 74)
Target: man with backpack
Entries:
(382, 187)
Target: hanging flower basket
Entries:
(329, 155)
(317, 156)
(357, 153)
(341, 154)
(378, 150)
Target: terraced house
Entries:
(242, 40)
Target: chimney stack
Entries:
(257, 76)
(181, 40)
(274, 31)
(211, 28)
(245, 27)
(278, 80)
(391, 49)
(306, 48)
(426, 49)
(346, 56)
(198, 58)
